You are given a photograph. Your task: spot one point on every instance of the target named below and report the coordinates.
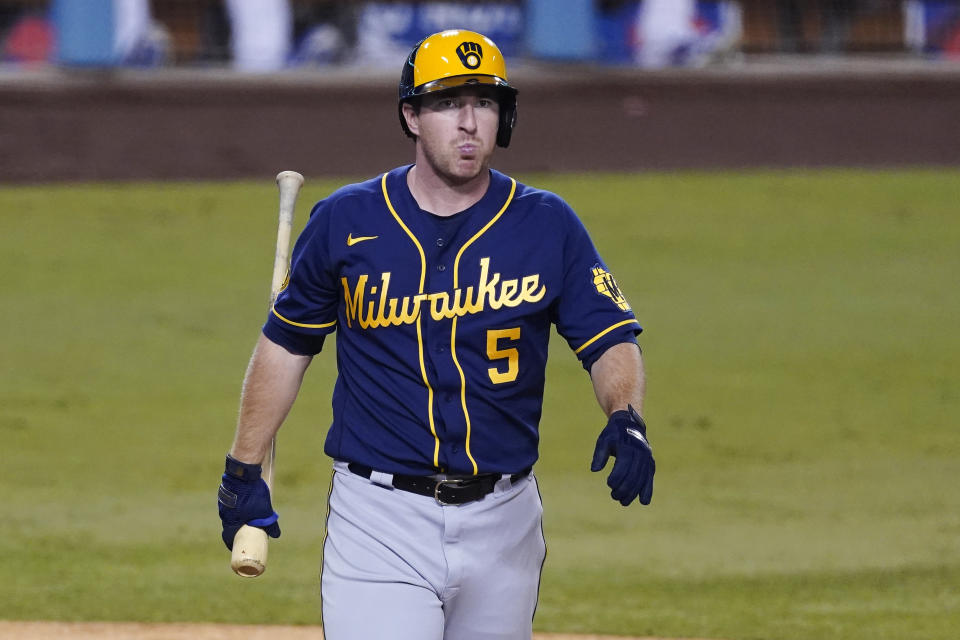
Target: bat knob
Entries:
(249, 557)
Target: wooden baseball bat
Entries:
(249, 558)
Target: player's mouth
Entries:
(468, 149)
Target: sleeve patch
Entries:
(606, 286)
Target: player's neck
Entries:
(442, 197)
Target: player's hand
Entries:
(625, 438)
(244, 498)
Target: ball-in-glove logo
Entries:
(607, 286)
(471, 54)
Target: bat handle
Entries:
(249, 556)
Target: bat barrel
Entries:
(289, 183)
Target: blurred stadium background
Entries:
(138, 89)
(298, 33)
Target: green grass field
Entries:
(802, 351)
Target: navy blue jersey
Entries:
(443, 323)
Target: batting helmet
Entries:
(458, 58)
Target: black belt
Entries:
(459, 490)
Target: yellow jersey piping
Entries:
(453, 330)
(603, 333)
(423, 368)
(300, 324)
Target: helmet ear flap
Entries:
(508, 118)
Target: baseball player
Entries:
(442, 279)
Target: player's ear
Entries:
(412, 117)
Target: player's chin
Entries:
(470, 166)
(463, 172)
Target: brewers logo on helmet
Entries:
(458, 58)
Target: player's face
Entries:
(457, 132)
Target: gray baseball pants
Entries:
(400, 566)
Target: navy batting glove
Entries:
(625, 438)
(244, 498)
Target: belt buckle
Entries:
(440, 483)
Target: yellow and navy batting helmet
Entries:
(457, 58)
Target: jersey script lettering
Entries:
(384, 311)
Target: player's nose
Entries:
(468, 118)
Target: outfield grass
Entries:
(802, 347)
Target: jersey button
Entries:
(455, 449)
(441, 267)
(440, 242)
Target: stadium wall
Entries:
(56, 127)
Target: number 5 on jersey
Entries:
(494, 352)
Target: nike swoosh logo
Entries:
(352, 241)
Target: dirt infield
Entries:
(185, 631)
(58, 126)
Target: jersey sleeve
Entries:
(305, 311)
(591, 313)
